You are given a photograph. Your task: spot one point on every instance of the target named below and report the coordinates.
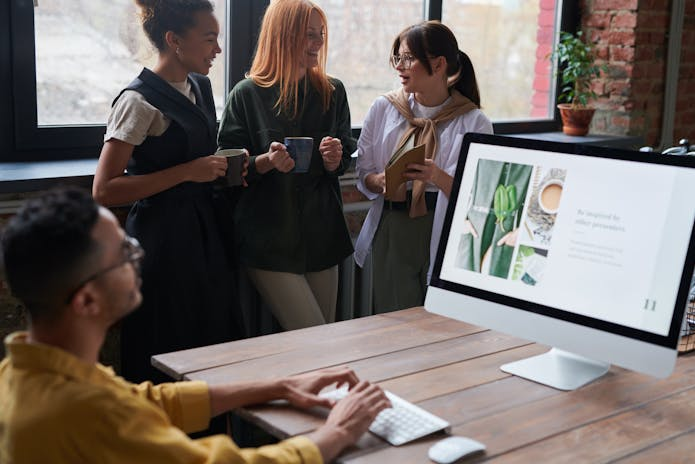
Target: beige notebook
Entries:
(398, 163)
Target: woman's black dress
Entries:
(188, 282)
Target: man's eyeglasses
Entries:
(406, 59)
(131, 252)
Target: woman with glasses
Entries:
(290, 230)
(162, 130)
(438, 102)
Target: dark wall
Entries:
(6, 140)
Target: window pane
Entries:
(360, 36)
(89, 50)
(507, 41)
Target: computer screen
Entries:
(586, 249)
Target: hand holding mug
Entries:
(236, 159)
(331, 150)
(279, 158)
(245, 169)
(206, 168)
(301, 150)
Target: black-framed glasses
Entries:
(405, 58)
(132, 252)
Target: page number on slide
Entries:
(649, 305)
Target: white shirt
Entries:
(382, 129)
(133, 118)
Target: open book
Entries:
(398, 163)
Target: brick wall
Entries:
(685, 106)
(541, 84)
(631, 36)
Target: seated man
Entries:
(76, 272)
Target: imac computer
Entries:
(586, 249)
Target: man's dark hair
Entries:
(47, 248)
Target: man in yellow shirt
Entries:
(76, 271)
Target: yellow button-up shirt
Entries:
(55, 408)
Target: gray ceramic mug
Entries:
(235, 166)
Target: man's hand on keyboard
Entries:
(358, 409)
(302, 390)
(350, 418)
(402, 422)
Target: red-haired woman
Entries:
(290, 230)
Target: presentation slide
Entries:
(594, 236)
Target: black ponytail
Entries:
(466, 83)
(432, 38)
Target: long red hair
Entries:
(281, 44)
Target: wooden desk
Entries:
(452, 369)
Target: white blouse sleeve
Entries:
(367, 149)
(132, 119)
(480, 123)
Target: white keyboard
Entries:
(402, 423)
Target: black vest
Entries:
(191, 134)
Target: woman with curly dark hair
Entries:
(158, 154)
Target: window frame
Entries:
(569, 21)
(22, 140)
(27, 133)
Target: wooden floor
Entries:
(452, 369)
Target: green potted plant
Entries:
(577, 68)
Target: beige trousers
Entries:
(298, 300)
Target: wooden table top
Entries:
(452, 369)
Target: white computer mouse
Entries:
(452, 449)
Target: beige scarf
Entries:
(425, 131)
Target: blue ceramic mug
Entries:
(300, 150)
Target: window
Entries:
(87, 51)
(360, 36)
(507, 41)
(64, 61)
(69, 60)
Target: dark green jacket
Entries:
(284, 221)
